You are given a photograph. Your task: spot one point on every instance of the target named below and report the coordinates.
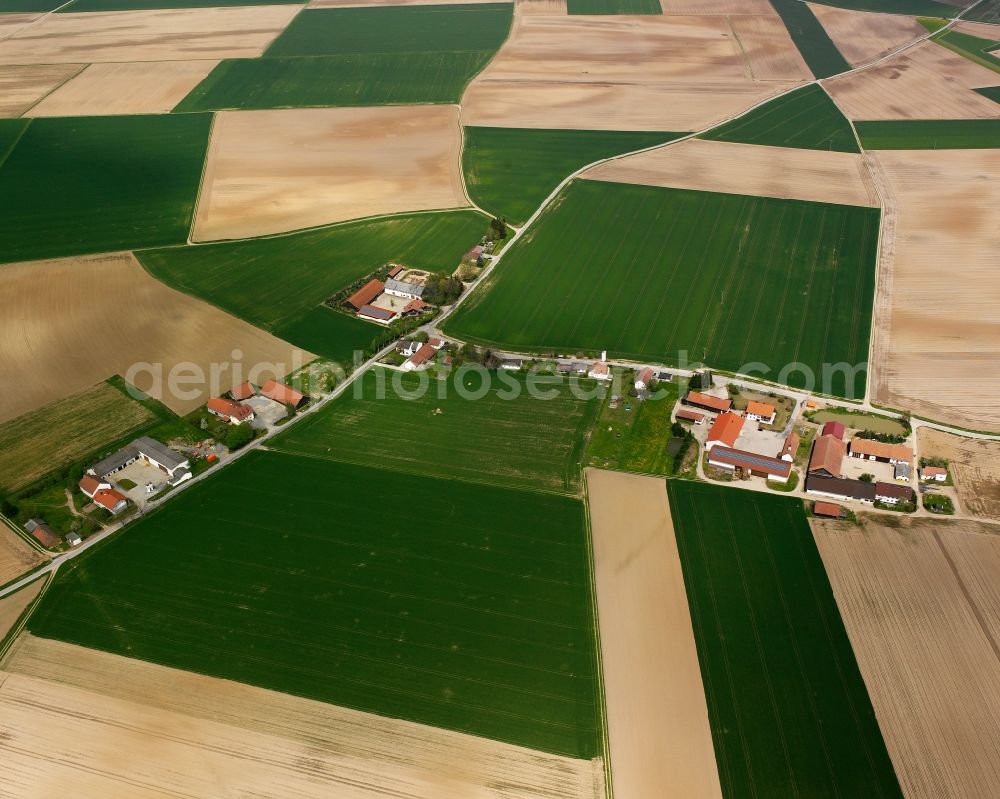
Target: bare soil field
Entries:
(16, 555)
(13, 605)
(179, 34)
(940, 335)
(23, 86)
(146, 87)
(657, 715)
(188, 735)
(12, 22)
(372, 3)
(910, 592)
(813, 175)
(924, 82)
(120, 316)
(551, 7)
(984, 30)
(275, 171)
(725, 7)
(769, 49)
(974, 466)
(629, 73)
(863, 36)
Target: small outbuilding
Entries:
(829, 510)
(937, 474)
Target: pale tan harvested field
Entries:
(725, 7)
(984, 30)
(974, 465)
(147, 87)
(937, 311)
(549, 7)
(746, 169)
(23, 86)
(13, 605)
(910, 593)
(180, 34)
(923, 82)
(657, 715)
(139, 730)
(16, 555)
(275, 171)
(67, 324)
(627, 73)
(373, 3)
(11, 23)
(768, 47)
(863, 36)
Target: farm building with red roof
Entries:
(242, 392)
(232, 412)
(725, 431)
(707, 401)
(364, 295)
(835, 429)
(279, 392)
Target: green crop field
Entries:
(395, 29)
(670, 274)
(510, 171)
(277, 283)
(614, 7)
(810, 37)
(11, 131)
(29, 5)
(458, 605)
(80, 185)
(930, 134)
(992, 92)
(147, 5)
(34, 444)
(444, 428)
(805, 119)
(330, 333)
(916, 8)
(789, 711)
(987, 11)
(974, 48)
(389, 79)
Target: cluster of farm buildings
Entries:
(400, 295)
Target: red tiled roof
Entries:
(89, 484)
(43, 535)
(396, 270)
(364, 295)
(108, 498)
(708, 401)
(834, 429)
(933, 471)
(828, 509)
(726, 429)
(791, 445)
(646, 375)
(242, 392)
(600, 368)
(414, 305)
(828, 455)
(760, 409)
(893, 490)
(423, 355)
(225, 407)
(694, 416)
(279, 392)
(866, 446)
(750, 461)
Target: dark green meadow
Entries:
(361, 56)
(10, 131)
(810, 37)
(78, 185)
(329, 333)
(647, 273)
(277, 283)
(986, 11)
(930, 134)
(505, 437)
(29, 5)
(614, 7)
(992, 92)
(510, 171)
(452, 604)
(789, 711)
(805, 119)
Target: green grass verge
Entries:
(395, 29)
(277, 283)
(649, 273)
(931, 134)
(78, 6)
(988, 11)
(80, 185)
(646, 7)
(510, 171)
(357, 80)
(804, 119)
(810, 37)
(788, 707)
(932, 24)
(974, 48)
(443, 428)
(913, 8)
(462, 606)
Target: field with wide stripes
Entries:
(750, 284)
(458, 605)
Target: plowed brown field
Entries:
(16, 555)
(13, 605)
(863, 36)
(915, 596)
(22, 87)
(974, 466)
(70, 323)
(138, 730)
